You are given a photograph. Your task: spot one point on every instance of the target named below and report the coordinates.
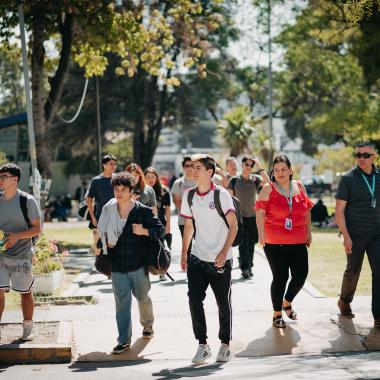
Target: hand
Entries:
(220, 260)
(11, 240)
(257, 164)
(184, 261)
(138, 229)
(347, 243)
(167, 229)
(94, 222)
(262, 240)
(308, 239)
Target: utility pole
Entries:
(98, 125)
(32, 142)
(270, 85)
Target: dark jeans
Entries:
(281, 258)
(371, 245)
(247, 247)
(181, 229)
(200, 275)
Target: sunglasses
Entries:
(4, 177)
(250, 165)
(363, 155)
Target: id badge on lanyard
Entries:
(288, 221)
(371, 189)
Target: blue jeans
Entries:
(124, 285)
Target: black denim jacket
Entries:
(127, 255)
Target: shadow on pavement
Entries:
(94, 366)
(194, 371)
(276, 342)
(131, 355)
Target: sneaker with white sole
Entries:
(27, 331)
(224, 354)
(148, 333)
(120, 348)
(203, 353)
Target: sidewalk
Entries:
(319, 330)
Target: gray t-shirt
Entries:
(179, 187)
(12, 220)
(245, 190)
(101, 190)
(148, 197)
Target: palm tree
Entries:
(236, 128)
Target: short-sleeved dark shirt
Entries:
(101, 190)
(362, 220)
(162, 201)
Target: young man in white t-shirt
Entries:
(210, 261)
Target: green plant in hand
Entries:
(46, 258)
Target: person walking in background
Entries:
(284, 227)
(182, 184)
(231, 170)
(122, 223)
(244, 187)
(142, 192)
(319, 213)
(99, 193)
(163, 204)
(18, 225)
(80, 192)
(358, 218)
(210, 261)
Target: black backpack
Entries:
(239, 236)
(24, 209)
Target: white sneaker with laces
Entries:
(28, 331)
(203, 353)
(224, 354)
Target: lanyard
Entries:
(289, 199)
(371, 190)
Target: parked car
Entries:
(316, 185)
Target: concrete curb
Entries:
(308, 288)
(59, 352)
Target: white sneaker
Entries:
(28, 331)
(203, 353)
(224, 354)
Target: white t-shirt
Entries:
(211, 230)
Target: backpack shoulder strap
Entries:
(190, 196)
(218, 205)
(24, 207)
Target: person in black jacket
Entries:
(124, 227)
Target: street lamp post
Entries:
(32, 142)
(270, 85)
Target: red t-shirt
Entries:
(277, 210)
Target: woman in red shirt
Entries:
(284, 227)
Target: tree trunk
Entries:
(38, 102)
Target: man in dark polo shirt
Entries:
(244, 187)
(99, 193)
(358, 217)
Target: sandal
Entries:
(278, 322)
(290, 312)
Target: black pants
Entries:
(281, 258)
(181, 229)
(247, 247)
(371, 245)
(200, 275)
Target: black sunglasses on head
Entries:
(363, 155)
(250, 165)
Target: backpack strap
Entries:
(24, 207)
(233, 183)
(190, 196)
(218, 205)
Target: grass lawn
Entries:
(327, 262)
(69, 235)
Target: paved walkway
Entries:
(319, 331)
